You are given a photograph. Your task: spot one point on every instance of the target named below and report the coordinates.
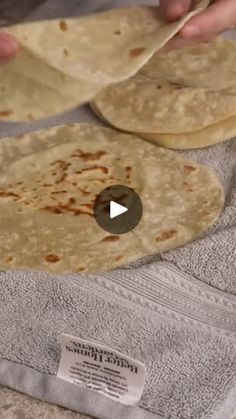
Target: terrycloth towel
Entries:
(182, 329)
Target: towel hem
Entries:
(52, 389)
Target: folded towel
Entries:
(181, 329)
(155, 311)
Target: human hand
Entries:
(8, 48)
(217, 18)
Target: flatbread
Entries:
(214, 134)
(178, 92)
(65, 63)
(49, 181)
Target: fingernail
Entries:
(190, 31)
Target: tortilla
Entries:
(179, 92)
(214, 134)
(49, 181)
(65, 63)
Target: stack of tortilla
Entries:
(181, 99)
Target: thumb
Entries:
(172, 10)
(219, 17)
(8, 47)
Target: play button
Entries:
(118, 209)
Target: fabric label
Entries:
(101, 369)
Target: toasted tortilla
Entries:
(49, 181)
(177, 99)
(214, 134)
(65, 63)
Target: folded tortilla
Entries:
(65, 63)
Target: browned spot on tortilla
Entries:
(52, 258)
(63, 26)
(117, 32)
(53, 209)
(6, 194)
(58, 192)
(166, 235)
(3, 89)
(62, 178)
(84, 192)
(89, 156)
(81, 212)
(66, 208)
(9, 259)
(30, 117)
(89, 206)
(128, 170)
(81, 269)
(189, 169)
(6, 113)
(72, 201)
(66, 52)
(206, 212)
(188, 187)
(95, 167)
(136, 52)
(118, 258)
(63, 165)
(19, 137)
(176, 86)
(111, 239)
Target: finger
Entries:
(172, 10)
(8, 48)
(179, 43)
(216, 19)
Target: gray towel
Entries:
(181, 329)
(155, 311)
